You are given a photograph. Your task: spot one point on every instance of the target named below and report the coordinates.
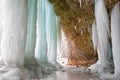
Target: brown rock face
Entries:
(76, 24)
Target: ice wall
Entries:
(14, 25)
(31, 32)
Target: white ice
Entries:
(14, 25)
(13, 20)
(94, 36)
(115, 34)
(103, 33)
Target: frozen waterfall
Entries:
(29, 31)
(14, 24)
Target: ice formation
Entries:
(13, 22)
(94, 36)
(41, 42)
(103, 45)
(51, 33)
(14, 32)
(31, 32)
(80, 2)
(22, 39)
(19, 39)
(46, 44)
(58, 38)
(115, 32)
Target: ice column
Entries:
(31, 32)
(46, 45)
(41, 42)
(14, 24)
(103, 45)
(115, 34)
(58, 39)
(51, 33)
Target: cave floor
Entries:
(66, 73)
(72, 74)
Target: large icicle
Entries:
(94, 36)
(41, 44)
(31, 32)
(115, 34)
(46, 46)
(58, 39)
(51, 33)
(14, 24)
(102, 26)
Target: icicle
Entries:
(41, 43)
(63, 58)
(51, 33)
(115, 32)
(58, 38)
(80, 2)
(102, 29)
(102, 26)
(14, 24)
(31, 32)
(94, 36)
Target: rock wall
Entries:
(76, 24)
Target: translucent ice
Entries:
(51, 33)
(31, 32)
(41, 41)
